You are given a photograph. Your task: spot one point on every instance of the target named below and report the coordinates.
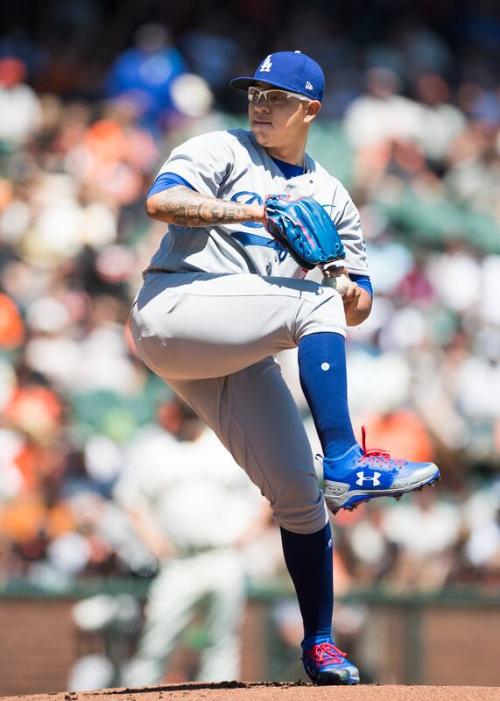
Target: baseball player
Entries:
(223, 295)
(176, 507)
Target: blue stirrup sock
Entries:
(323, 377)
(309, 559)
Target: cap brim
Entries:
(242, 83)
(245, 82)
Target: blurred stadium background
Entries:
(93, 96)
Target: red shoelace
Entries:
(376, 452)
(325, 653)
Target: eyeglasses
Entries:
(273, 97)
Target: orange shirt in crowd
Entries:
(402, 433)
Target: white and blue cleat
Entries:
(326, 664)
(362, 474)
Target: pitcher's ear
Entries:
(312, 109)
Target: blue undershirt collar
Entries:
(289, 170)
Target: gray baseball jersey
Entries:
(230, 165)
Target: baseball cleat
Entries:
(326, 664)
(363, 474)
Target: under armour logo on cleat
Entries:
(362, 478)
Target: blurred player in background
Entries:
(194, 514)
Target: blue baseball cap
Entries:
(288, 70)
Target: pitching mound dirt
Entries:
(235, 691)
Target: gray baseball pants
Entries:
(212, 338)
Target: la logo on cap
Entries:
(287, 70)
(267, 64)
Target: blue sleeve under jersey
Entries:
(165, 181)
(362, 281)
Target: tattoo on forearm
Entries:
(182, 206)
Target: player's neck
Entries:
(289, 154)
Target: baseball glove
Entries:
(304, 228)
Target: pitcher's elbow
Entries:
(152, 207)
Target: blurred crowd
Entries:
(411, 124)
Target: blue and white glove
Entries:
(304, 228)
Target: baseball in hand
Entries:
(339, 281)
